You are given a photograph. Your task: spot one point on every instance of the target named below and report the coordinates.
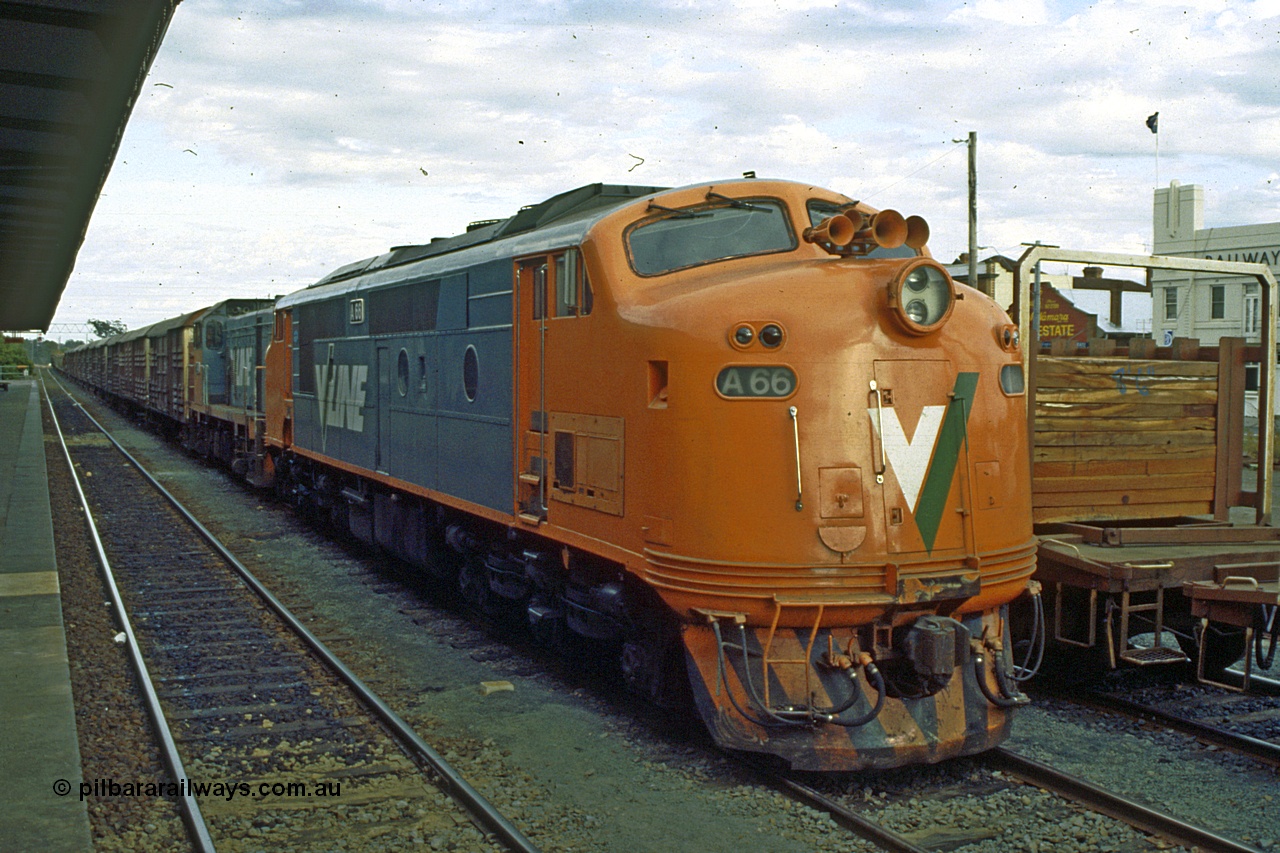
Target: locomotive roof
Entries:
(561, 218)
(234, 307)
(164, 326)
(238, 305)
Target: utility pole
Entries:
(973, 210)
(972, 142)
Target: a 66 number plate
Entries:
(753, 381)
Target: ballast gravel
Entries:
(577, 767)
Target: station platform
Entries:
(38, 746)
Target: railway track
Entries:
(974, 798)
(267, 737)
(1098, 799)
(1247, 725)
(999, 775)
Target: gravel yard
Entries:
(578, 769)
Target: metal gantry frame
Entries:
(1261, 272)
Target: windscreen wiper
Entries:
(734, 202)
(676, 212)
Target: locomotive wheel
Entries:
(473, 584)
(640, 661)
(652, 662)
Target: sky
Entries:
(277, 140)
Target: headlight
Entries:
(917, 279)
(921, 296)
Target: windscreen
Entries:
(700, 235)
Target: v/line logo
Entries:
(340, 393)
(925, 463)
(909, 457)
(242, 370)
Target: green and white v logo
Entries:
(925, 463)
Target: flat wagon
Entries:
(1137, 482)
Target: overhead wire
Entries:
(947, 153)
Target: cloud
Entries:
(1009, 12)
(314, 122)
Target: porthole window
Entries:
(470, 373)
(402, 373)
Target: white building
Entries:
(1199, 305)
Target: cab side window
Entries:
(213, 334)
(573, 290)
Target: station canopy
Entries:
(70, 72)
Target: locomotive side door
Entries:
(919, 413)
(566, 453)
(530, 415)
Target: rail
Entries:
(868, 830)
(1122, 808)
(484, 813)
(197, 829)
(1241, 744)
(1031, 772)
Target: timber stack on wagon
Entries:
(1145, 434)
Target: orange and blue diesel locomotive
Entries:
(748, 438)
